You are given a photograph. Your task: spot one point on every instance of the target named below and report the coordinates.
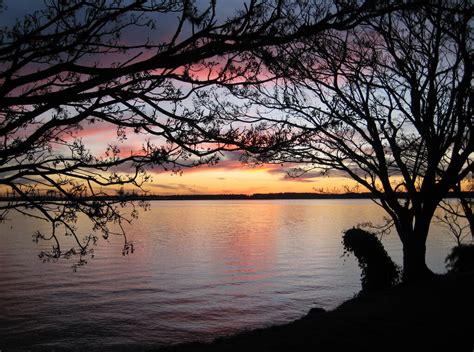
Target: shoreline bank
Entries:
(433, 316)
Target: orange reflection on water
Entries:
(248, 252)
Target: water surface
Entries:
(201, 269)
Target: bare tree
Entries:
(457, 215)
(388, 104)
(137, 66)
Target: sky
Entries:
(234, 177)
(229, 176)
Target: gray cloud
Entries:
(177, 187)
(296, 174)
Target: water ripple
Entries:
(200, 270)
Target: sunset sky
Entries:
(234, 177)
(229, 176)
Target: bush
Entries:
(378, 269)
(461, 258)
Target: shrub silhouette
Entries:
(461, 258)
(378, 269)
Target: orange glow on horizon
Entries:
(243, 180)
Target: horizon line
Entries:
(230, 196)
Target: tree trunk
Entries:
(466, 205)
(414, 262)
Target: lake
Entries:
(201, 269)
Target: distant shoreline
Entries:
(256, 196)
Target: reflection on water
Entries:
(200, 269)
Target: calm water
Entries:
(201, 269)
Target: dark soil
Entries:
(436, 315)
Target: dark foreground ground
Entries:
(433, 316)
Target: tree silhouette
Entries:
(457, 216)
(138, 66)
(387, 103)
